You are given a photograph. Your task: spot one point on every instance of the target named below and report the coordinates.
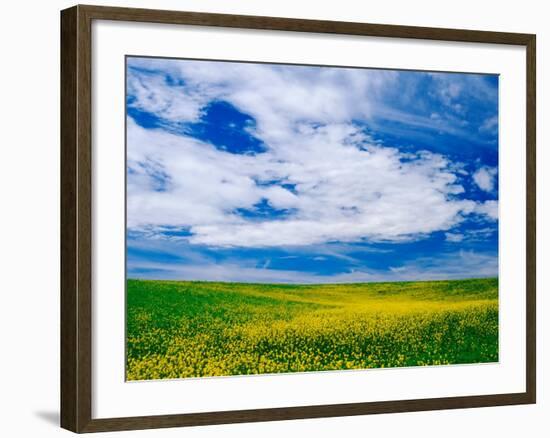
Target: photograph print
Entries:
(297, 218)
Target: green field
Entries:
(188, 329)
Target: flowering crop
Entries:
(179, 329)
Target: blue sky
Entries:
(304, 174)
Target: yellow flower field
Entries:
(178, 329)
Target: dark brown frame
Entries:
(76, 218)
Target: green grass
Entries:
(181, 329)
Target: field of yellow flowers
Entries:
(179, 329)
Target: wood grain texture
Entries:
(76, 252)
(295, 413)
(69, 348)
(299, 25)
(76, 218)
(531, 213)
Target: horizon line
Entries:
(314, 284)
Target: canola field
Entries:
(178, 329)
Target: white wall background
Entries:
(29, 217)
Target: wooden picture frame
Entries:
(76, 218)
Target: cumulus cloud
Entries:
(484, 177)
(488, 208)
(321, 179)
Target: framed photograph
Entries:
(270, 218)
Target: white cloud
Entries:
(173, 103)
(490, 125)
(477, 234)
(276, 95)
(484, 177)
(451, 87)
(488, 208)
(356, 194)
(454, 237)
(236, 272)
(454, 265)
(346, 188)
